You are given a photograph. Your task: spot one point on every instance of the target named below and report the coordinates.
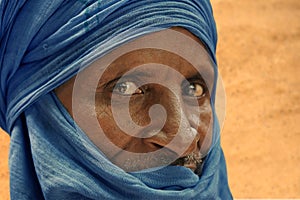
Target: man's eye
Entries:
(194, 90)
(127, 88)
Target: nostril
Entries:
(158, 146)
(154, 143)
(154, 146)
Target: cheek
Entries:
(110, 123)
(200, 117)
(139, 111)
(132, 110)
(202, 121)
(205, 116)
(107, 122)
(205, 126)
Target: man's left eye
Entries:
(127, 88)
(194, 90)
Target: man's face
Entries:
(143, 100)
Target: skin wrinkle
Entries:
(195, 125)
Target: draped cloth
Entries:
(45, 43)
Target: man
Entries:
(111, 100)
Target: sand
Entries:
(258, 53)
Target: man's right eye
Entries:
(127, 88)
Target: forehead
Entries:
(137, 60)
(176, 48)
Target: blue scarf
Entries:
(45, 43)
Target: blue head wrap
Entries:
(43, 44)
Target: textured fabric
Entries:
(43, 44)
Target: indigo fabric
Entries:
(45, 43)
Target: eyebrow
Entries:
(138, 73)
(206, 70)
(205, 74)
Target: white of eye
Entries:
(127, 88)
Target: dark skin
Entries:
(183, 92)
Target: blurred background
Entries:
(258, 54)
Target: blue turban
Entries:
(45, 43)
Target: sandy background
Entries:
(258, 52)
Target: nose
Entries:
(178, 134)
